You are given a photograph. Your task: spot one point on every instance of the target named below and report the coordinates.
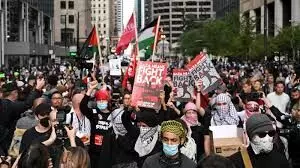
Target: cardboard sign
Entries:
(202, 69)
(227, 139)
(184, 85)
(115, 67)
(148, 83)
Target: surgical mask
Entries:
(102, 106)
(45, 122)
(170, 150)
(262, 145)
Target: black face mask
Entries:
(45, 122)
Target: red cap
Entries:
(102, 95)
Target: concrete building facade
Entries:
(26, 32)
(71, 18)
(224, 7)
(174, 12)
(103, 17)
(280, 13)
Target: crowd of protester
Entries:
(71, 118)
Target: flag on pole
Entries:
(147, 37)
(90, 46)
(127, 36)
(130, 72)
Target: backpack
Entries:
(14, 148)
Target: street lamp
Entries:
(163, 37)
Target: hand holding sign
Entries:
(199, 85)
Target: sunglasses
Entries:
(264, 134)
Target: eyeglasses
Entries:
(264, 134)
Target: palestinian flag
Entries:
(90, 46)
(147, 38)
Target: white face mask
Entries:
(262, 145)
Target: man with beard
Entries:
(260, 151)
(295, 95)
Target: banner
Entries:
(184, 85)
(148, 83)
(115, 67)
(202, 69)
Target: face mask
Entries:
(45, 122)
(170, 150)
(262, 145)
(102, 106)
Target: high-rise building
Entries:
(118, 7)
(224, 7)
(280, 13)
(174, 13)
(144, 12)
(103, 18)
(26, 32)
(72, 21)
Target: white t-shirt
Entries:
(279, 101)
(83, 126)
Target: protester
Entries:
(224, 112)
(11, 110)
(79, 122)
(215, 161)
(36, 156)
(278, 98)
(173, 136)
(102, 136)
(75, 157)
(261, 132)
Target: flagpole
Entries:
(99, 48)
(155, 39)
(136, 36)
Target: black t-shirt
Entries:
(198, 133)
(31, 136)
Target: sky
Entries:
(128, 6)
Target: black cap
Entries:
(8, 87)
(42, 109)
(147, 116)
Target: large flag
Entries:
(90, 47)
(127, 36)
(147, 37)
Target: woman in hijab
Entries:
(225, 112)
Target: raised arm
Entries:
(198, 98)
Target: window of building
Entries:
(71, 19)
(99, 11)
(104, 11)
(99, 25)
(104, 32)
(62, 4)
(99, 5)
(104, 25)
(71, 4)
(62, 19)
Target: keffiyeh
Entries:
(146, 141)
(225, 113)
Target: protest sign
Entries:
(115, 67)
(184, 85)
(202, 69)
(148, 83)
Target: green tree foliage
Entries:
(235, 36)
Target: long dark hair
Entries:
(36, 156)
